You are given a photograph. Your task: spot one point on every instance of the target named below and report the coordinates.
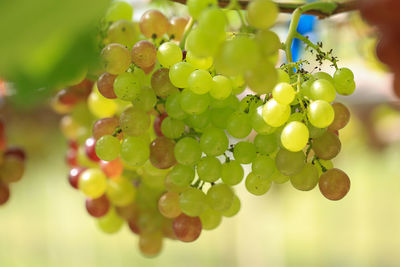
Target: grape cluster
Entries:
(384, 16)
(165, 133)
(12, 165)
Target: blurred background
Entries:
(45, 222)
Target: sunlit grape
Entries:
(193, 201)
(199, 62)
(275, 114)
(119, 10)
(283, 93)
(322, 90)
(294, 136)
(116, 57)
(209, 169)
(196, 7)
(168, 54)
(177, 27)
(257, 185)
(320, 113)
(93, 183)
(122, 32)
(179, 74)
(144, 54)
(153, 24)
(200, 82)
(258, 123)
(262, 14)
(100, 106)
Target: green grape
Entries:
(221, 87)
(200, 121)
(134, 121)
(200, 82)
(213, 19)
(169, 54)
(327, 146)
(342, 117)
(107, 147)
(210, 219)
(294, 136)
(232, 172)
(257, 185)
(258, 123)
(307, 179)
(203, 63)
(238, 125)
(120, 191)
(305, 89)
(315, 132)
(233, 209)
(343, 79)
(265, 144)
(153, 24)
(275, 114)
(263, 166)
(196, 7)
(193, 202)
(116, 58)
(334, 184)
(187, 151)
(322, 90)
(289, 163)
(283, 93)
(220, 197)
(111, 222)
(172, 128)
(119, 10)
(237, 81)
(209, 169)
(193, 103)
(283, 76)
(244, 152)
(146, 100)
(168, 205)
(231, 101)
(214, 142)
(219, 116)
(179, 74)
(144, 54)
(262, 14)
(122, 32)
(279, 178)
(320, 113)
(127, 86)
(203, 43)
(161, 83)
(173, 107)
(268, 42)
(182, 175)
(135, 151)
(93, 183)
(323, 76)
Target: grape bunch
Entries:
(167, 130)
(12, 165)
(383, 15)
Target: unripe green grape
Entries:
(144, 54)
(122, 32)
(305, 89)
(187, 151)
(196, 7)
(262, 14)
(279, 178)
(172, 128)
(306, 179)
(232, 172)
(320, 113)
(193, 202)
(342, 117)
(210, 219)
(219, 116)
(199, 121)
(257, 185)
(173, 107)
(238, 125)
(322, 90)
(146, 100)
(220, 197)
(161, 84)
(134, 121)
(182, 175)
(275, 114)
(327, 146)
(107, 147)
(119, 10)
(258, 123)
(283, 76)
(111, 222)
(179, 74)
(168, 205)
(294, 136)
(193, 103)
(231, 101)
(203, 63)
(135, 151)
(283, 93)
(153, 24)
(233, 209)
(93, 183)
(116, 58)
(120, 191)
(127, 86)
(200, 82)
(265, 144)
(214, 142)
(289, 163)
(268, 42)
(213, 19)
(323, 76)
(221, 87)
(209, 169)
(263, 166)
(169, 54)
(334, 184)
(203, 43)
(344, 81)
(244, 152)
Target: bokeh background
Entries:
(45, 222)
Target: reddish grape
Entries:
(112, 168)
(150, 244)
(73, 177)
(105, 126)
(98, 207)
(16, 152)
(12, 169)
(72, 144)
(342, 117)
(177, 27)
(161, 83)
(162, 153)
(72, 157)
(157, 123)
(90, 145)
(105, 84)
(187, 229)
(334, 184)
(4, 193)
(153, 24)
(144, 54)
(134, 226)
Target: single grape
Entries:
(322, 90)
(146, 100)
(187, 229)
(219, 116)
(209, 169)
(168, 205)
(105, 84)
(262, 14)
(232, 172)
(204, 43)
(307, 179)
(244, 152)
(134, 121)
(289, 163)
(107, 147)
(97, 207)
(92, 183)
(119, 10)
(161, 83)
(168, 54)
(343, 80)
(144, 54)
(199, 121)
(214, 142)
(203, 63)
(153, 24)
(327, 146)
(334, 184)
(187, 151)
(213, 19)
(120, 191)
(257, 185)
(263, 166)
(122, 32)
(173, 107)
(275, 114)
(90, 149)
(342, 117)
(200, 82)
(111, 222)
(100, 106)
(196, 7)
(192, 202)
(172, 128)
(265, 144)
(220, 197)
(182, 175)
(177, 27)
(283, 76)
(116, 58)
(320, 113)
(193, 103)
(238, 125)
(162, 153)
(127, 86)
(283, 93)
(105, 126)
(179, 74)
(210, 219)
(135, 151)
(294, 136)
(150, 244)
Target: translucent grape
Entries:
(144, 54)
(150, 244)
(177, 27)
(193, 103)
(4, 193)
(153, 24)
(135, 151)
(104, 126)
(193, 202)
(258, 123)
(307, 179)
(214, 142)
(111, 222)
(173, 107)
(199, 121)
(105, 84)
(327, 146)
(305, 88)
(279, 178)
(203, 63)
(200, 82)
(322, 90)
(119, 10)
(342, 117)
(162, 153)
(116, 57)
(187, 229)
(179, 74)
(204, 43)
(209, 169)
(112, 168)
(221, 87)
(238, 125)
(343, 80)
(93, 183)
(323, 76)
(127, 86)
(161, 83)
(294, 136)
(122, 32)
(275, 114)
(73, 177)
(262, 14)
(182, 175)
(97, 207)
(187, 151)
(146, 100)
(100, 106)
(120, 191)
(320, 113)
(334, 184)
(90, 146)
(172, 128)
(263, 166)
(244, 152)
(265, 144)
(257, 185)
(220, 197)
(134, 121)
(196, 7)
(283, 93)
(283, 76)
(269, 43)
(168, 54)
(108, 147)
(168, 205)
(232, 173)
(289, 163)
(210, 219)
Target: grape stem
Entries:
(188, 29)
